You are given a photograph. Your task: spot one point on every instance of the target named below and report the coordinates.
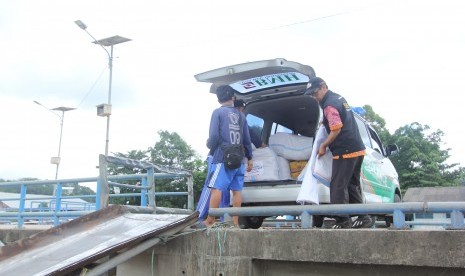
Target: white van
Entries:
(276, 106)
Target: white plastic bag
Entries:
(323, 168)
(309, 188)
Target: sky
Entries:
(404, 58)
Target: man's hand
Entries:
(249, 165)
(331, 136)
(321, 151)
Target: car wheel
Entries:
(318, 221)
(250, 222)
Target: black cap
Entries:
(313, 84)
(224, 93)
(239, 103)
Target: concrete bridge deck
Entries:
(228, 251)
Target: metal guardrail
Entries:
(57, 205)
(397, 210)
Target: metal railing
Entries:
(397, 210)
(58, 208)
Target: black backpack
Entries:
(234, 153)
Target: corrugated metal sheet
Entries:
(71, 246)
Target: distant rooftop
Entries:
(435, 194)
(33, 201)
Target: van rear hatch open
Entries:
(254, 80)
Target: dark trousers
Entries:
(345, 181)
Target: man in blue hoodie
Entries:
(228, 126)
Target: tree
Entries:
(421, 162)
(377, 122)
(44, 189)
(170, 151)
(114, 170)
(83, 190)
(173, 151)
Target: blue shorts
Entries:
(225, 179)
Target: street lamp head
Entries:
(81, 24)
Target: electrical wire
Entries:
(93, 86)
(312, 19)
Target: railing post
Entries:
(190, 192)
(97, 195)
(151, 184)
(58, 193)
(306, 220)
(143, 193)
(399, 219)
(22, 203)
(103, 189)
(456, 220)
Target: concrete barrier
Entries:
(225, 252)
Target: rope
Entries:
(218, 227)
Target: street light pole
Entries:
(63, 110)
(57, 160)
(104, 110)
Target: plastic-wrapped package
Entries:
(284, 169)
(291, 146)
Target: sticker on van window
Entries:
(267, 81)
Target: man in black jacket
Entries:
(347, 148)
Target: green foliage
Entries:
(199, 180)
(171, 151)
(378, 123)
(421, 161)
(83, 190)
(174, 152)
(114, 170)
(31, 189)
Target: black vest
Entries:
(348, 140)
